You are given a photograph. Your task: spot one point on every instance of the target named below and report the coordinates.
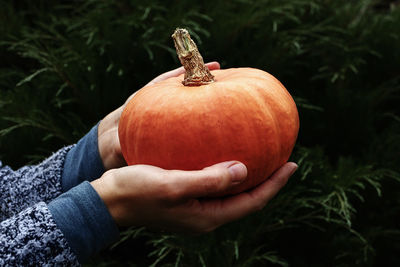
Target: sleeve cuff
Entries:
(84, 220)
(83, 161)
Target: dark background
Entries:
(66, 64)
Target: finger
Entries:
(129, 99)
(214, 65)
(237, 206)
(209, 181)
(166, 75)
(267, 190)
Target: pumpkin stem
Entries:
(196, 72)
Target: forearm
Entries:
(83, 161)
(65, 169)
(85, 221)
(31, 184)
(31, 237)
(70, 229)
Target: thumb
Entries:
(214, 65)
(209, 181)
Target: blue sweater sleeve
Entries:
(84, 220)
(78, 218)
(83, 162)
(29, 185)
(32, 238)
(80, 212)
(28, 233)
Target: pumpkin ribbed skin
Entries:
(245, 115)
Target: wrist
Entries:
(110, 121)
(111, 194)
(83, 161)
(84, 220)
(108, 141)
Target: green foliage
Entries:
(65, 65)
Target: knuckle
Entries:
(206, 227)
(174, 195)
(216, 180)
(167, 190)
(111, 173)
(114, 175)
(259, 207)
(211, 227)
(279, 183)
(210, 183)
(260, 204)
(210, 222)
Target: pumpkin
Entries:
(242, 114)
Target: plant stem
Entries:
(196, 72)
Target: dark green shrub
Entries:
(64, 66)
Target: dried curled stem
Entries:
(196, 72)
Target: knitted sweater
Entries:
(51, 216)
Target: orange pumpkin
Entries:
(245, 115)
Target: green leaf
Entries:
(32, 76)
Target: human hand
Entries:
(108, 141)
(173, 200)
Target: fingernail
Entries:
(294, 168)
(238, 172)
